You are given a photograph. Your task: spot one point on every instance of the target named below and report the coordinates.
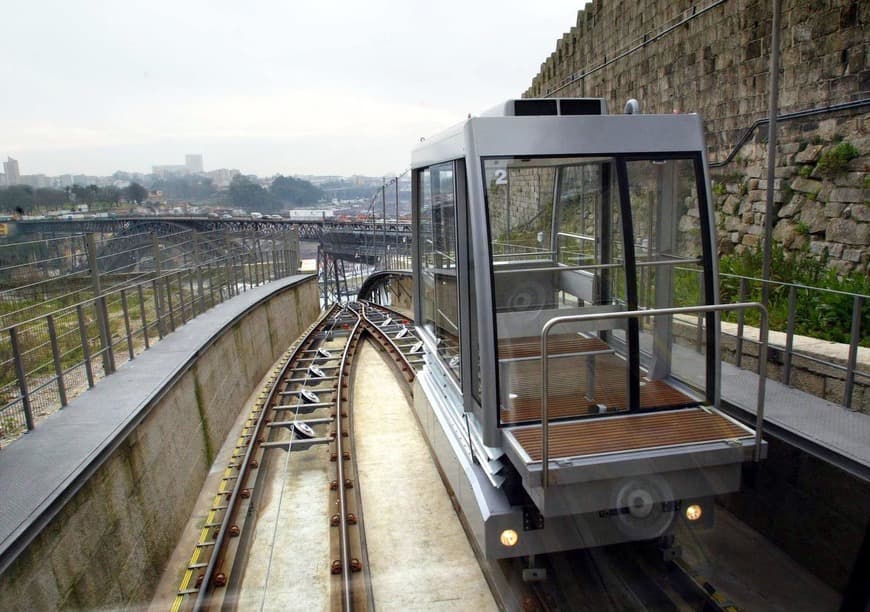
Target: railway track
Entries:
(305, 404)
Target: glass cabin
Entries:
(524, 218)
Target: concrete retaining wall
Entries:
(107, 546)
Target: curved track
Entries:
(306, 403)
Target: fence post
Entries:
(254, 268)
(197, 261)
(193, 299)
(857, 306)
(243, 270)
(100, 306)
(260, 263)
(22, 378)
(58, 366)
(142, 312)
(158, 271)
(273, 256)
(227, 275)
(789, 335)
(229, 263)
(127, 323)
(277, 271)
(180, 296)
(259, 272)
(210, 274)
(286, 240)
(169, 305)
(738, 359)
(86, 348)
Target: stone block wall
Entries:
(712, 57)
(821, 211)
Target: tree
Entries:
(51, 198)
(295, 192)
(191, 188)
(246, 194)
(136, 193)
(110, 194)
(16, 197)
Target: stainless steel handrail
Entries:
(628, 314)
(577, 236)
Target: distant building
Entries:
(10, 167)
(193, 163)
(86, 179)
(169, 170)
(222, 177)
(37, 181)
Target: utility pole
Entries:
(397, 219)
(772, 112)
(384, 203)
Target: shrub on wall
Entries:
(835, 160)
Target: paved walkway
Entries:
(834, 431)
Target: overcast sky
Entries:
(291, 87)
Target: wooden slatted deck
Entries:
(629, 433)
(519, 348)
(569, 394)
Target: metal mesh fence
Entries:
(85, 307)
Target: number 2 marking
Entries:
(501, 177)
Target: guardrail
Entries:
(791, 307)
(48, 359)
(639, 314)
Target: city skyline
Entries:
(277, 88)
(194, 165)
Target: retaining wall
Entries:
(107, 545)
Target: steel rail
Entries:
(347, 590)
(388, 342)
(207, 584)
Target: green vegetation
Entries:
(25, 199)
(719, 189)
(295, 192)
(284, 192)
(805, 171)
(136, 193)
(835, 160)
(819, 314)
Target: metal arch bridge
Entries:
(307, 230)
(356, 241)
